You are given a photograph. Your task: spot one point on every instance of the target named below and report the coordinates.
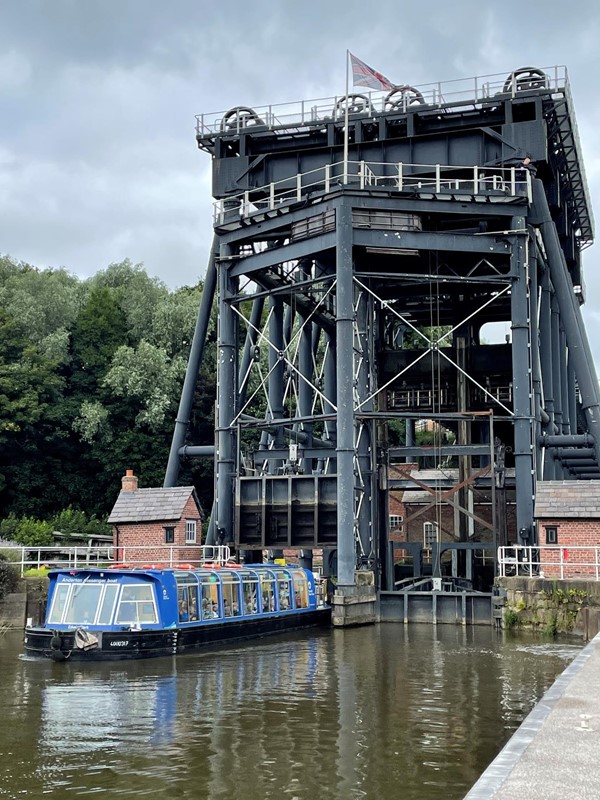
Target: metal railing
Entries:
(79, 557)
(550, 561)
(469, 180)
(300, 114)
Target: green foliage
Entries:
(9, 577)
(511, 618)
(33, 532)
(90, 377)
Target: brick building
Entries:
(156, 525)
(422, 516)
(567, 515)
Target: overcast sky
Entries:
(98, 160)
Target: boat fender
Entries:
(56, 647)
(84, 640)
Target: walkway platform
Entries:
(555, 754)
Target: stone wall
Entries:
(552, 606)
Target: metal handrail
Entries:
(546, 560)
(400, 176)
(470, 91)
(78, 556)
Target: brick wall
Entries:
(144, 542)
(576, 540)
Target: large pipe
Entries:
(191, 374)
(577, 341)
(574, 440)
(522, 388)
(345, 414)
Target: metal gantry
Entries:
(352, 297)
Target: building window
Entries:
(190, 531)
(551, 534)
(430, 533)
(169, 535)
(396, 521)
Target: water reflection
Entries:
(378, 712)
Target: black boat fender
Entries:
(56, 650)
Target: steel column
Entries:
(345, 413)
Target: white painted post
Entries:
(362, 174)
(271, 196)
(438, 181)
(298, 186)
(327, 176)
(513, 181)
(475, 180)
(400, 177)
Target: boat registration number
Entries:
(120, 643)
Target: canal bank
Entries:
(554, 753)
(551, 606)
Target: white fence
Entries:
(79, 557)
(550, 561)
(468, 180)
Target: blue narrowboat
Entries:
(122, 612)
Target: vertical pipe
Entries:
(534, 338)
(564, 383)
(547, 367)
(226, 391)
(577, 340)
(249, 344)
(363, 342)
(191, 374)
(522, 402)
(556, 366)
(572, 391)
(345, 412)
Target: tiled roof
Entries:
(567, 500)
(150, 505)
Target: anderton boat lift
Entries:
(357, 269)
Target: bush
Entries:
(33, 532)
(70, 520)
(9, 577)
(8, 527)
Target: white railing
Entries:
(79, 557)
(469, 180)
(306, 113)
(550, 561)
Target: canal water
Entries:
(382, 712)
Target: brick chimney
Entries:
(129, 482)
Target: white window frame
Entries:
(191, 529)
(430, 528)
(396, 521)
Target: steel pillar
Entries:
(523, 390)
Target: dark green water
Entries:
(382, 712)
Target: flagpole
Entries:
(345, 179)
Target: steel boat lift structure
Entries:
(352, 294)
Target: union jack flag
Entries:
(364, 75)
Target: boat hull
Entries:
(134, 644)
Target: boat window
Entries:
(83, 604)
(284, 592)
(231, 594)
(58, 603)
(136, 605)
(108, 603)
(187, 603)
(267, 590)
(300, 589)
(249, 593)
(210, 597)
